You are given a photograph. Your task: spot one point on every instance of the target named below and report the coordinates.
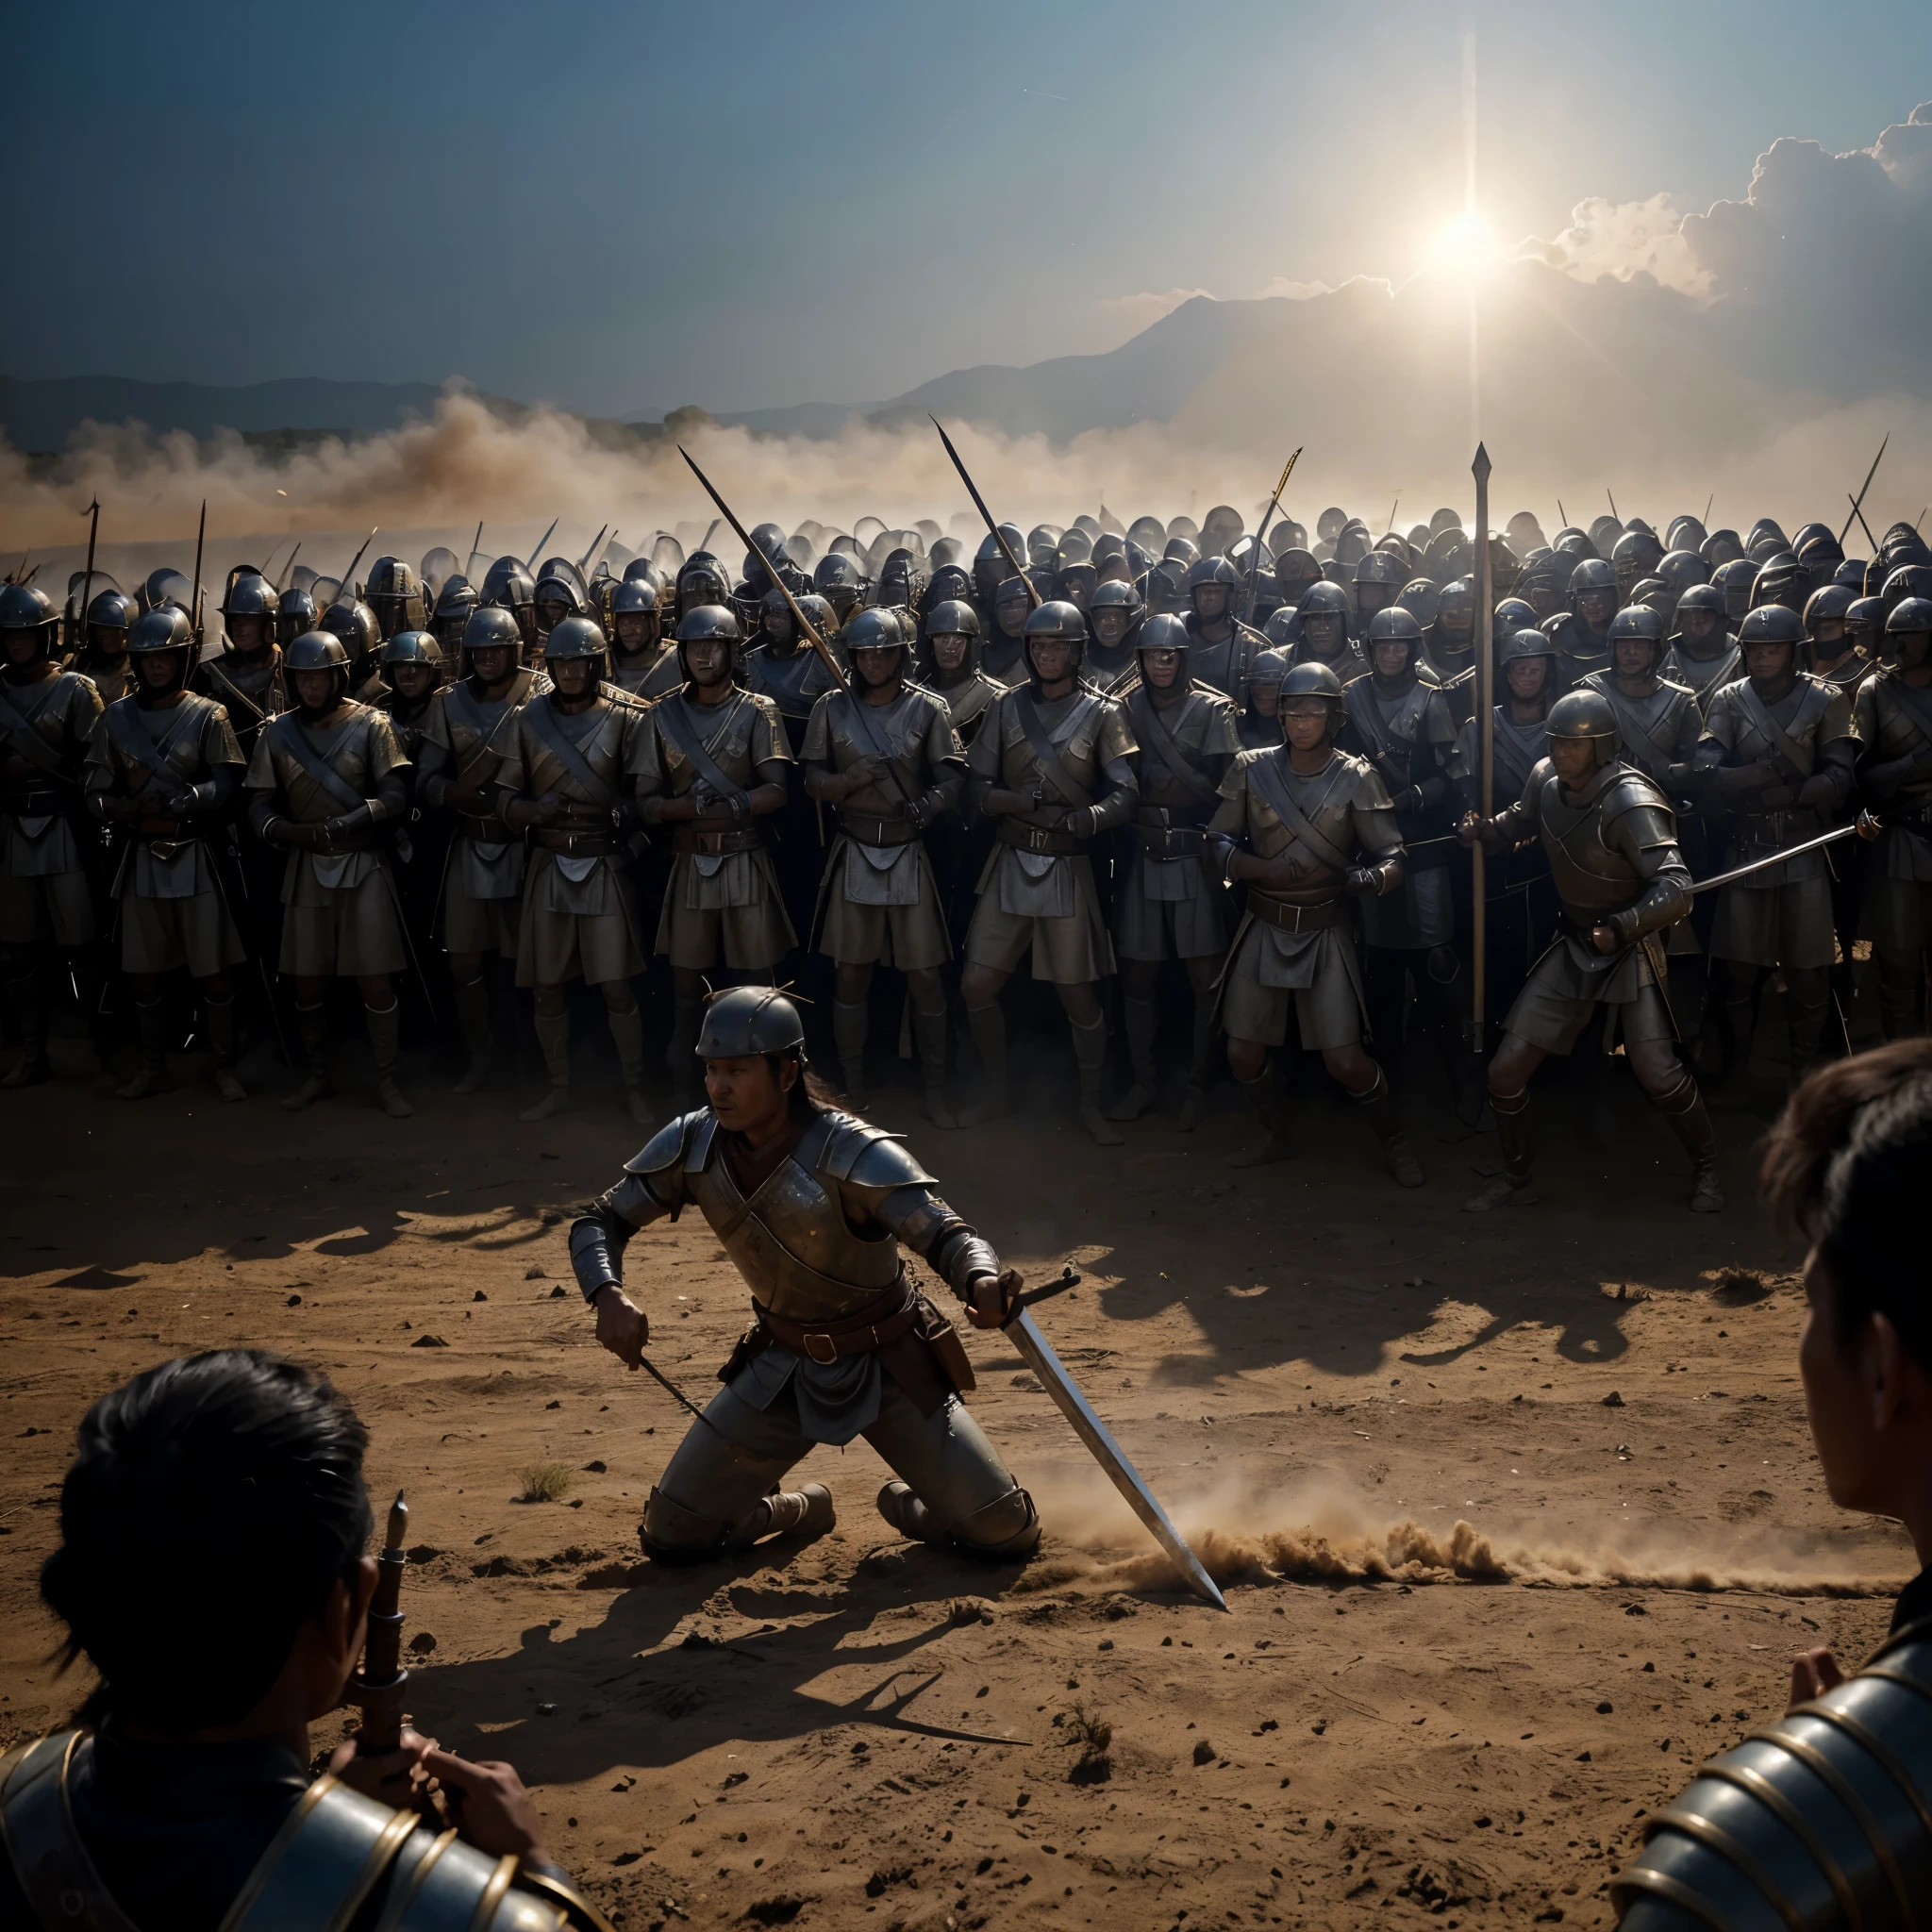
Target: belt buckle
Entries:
(1036, 839)
(816, 1338)
(712, 846)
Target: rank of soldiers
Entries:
(1170, 755)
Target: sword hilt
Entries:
(1068, 1277)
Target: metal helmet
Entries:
(1591, 574)
(1736, 579)
(454, 602)
(1764, 529)
(635, 596)
(1058, 622)
(320, 650)
(1605, 532)
(251, 594)
(1681, 569)
(641, 567)
(355, 624)
(1213, 569)
(1907, 580)
(489, 626)
(1514, 614)
(1422, 599)
(837, 571)
(1525, 642)
(707, 622)
(165, 629)
(1268, 669)
(1282, 626)
(1460, 596)
(1910, 616)
(414, 647)
(1706, 597)
(818, 613)
(297, 614)
(1772, 624)
(1828, 604)
(746, 1021)
(954, 618)
(877, 629)
(1324, 599)
(1685, 533)
(1865, 618)
(554, 589)
(1165, 633)
(1380, 567)
(1585, 714)
(24, 608)
(395, 593)
(1395, 626)
(1116, 596)
(1721, 547)
(112, 611)
(1311, 681)
(574, 637)
(1295, 567)
(509, 584)
(1639, 621)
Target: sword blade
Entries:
(1038, 1353)
(1739, 872)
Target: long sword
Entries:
(1863, 827)
(999, 536)
(530, 561)
(1267, 518)
(345, 583)
(87, 589)
(1038, 1353)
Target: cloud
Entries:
(1622, 238)
(1142, 311)
(1280, 287)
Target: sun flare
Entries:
(1467, 246)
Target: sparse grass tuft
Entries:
(545, 1482)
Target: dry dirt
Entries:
(1518, 1516)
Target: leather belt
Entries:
(484, 827)
(1286, 917)
(42, 805)
(1013, 831)
(877, 1325)
(576, 844)
(869, 830)
(1162, 837)
(715, 844)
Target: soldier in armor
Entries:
(1294, 823)
(643, 661)
(1658, 723)
(413, 673)
(329, 784)
(1403, 728)
(555, 598)
(1003, 656)
(1449, 646)
(295, 615)
(412, 668)
(1166, 907)
(48, 844)
(1582, 635)
(102, 659)
(1609, 836)
(1322, 636)
(952, 639)
(395, 595)
(843, 1346)
(564, 784)
(455, 604)
(1831, 651)
(353, 625)
(783, 667)
(702, 584)
(1702, 655)
(510, 587)
(464, 744)
(1114, 616)
(164, 767)
(1779, 746)
(1892, 721)
(711, 760)
(840, 582)
(247, 681)
(1259, 724)
(183, 1795)
(1222, 643)
(887, 758)
(1053, 765)
(1377, 583)
(1817, 1819)
(1523, 906)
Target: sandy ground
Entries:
(1518, 1516)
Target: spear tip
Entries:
(1480, 468)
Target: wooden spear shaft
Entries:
(1485, 746)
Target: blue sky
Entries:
(626, 207)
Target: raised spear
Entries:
(1268, 517)
(200, 535)
(1486, 745)
(87, 589)
(999, 536)
(1860, 499)
(347, 579)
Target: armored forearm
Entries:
(1115, 807)
(1665, 900)
(598, 1238)
(948, 1245)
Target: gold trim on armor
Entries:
(1715, 1837)
(576, 1907)
(494, 1892)
(1878, 1749)
(1660, 1884)
(403, 1896)
(380, 1856)
(1780, 1806)
(265, 1865)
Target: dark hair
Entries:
(1849, 1168)
(809, 1095)
(212, 1505)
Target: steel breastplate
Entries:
(1588, 876)
(791, 1240)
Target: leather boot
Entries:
(929, 1038)
(849, 1021)
(1514, 1187)
(1271, 1109)
(1142, 1021)
(472, 1016)
(23, 998)
(1684, 1113)
(628, 1031)
(785, 1513)
(1089, 1055)
(152, 1077)
(220, 1016)
(989, 1026)
(1808, 1008)
(552, 1036)
(681, 1054)
(385, 1026)
(311, 1022)
(1377, 1106)
(906, 1513)
(1200, 1069)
